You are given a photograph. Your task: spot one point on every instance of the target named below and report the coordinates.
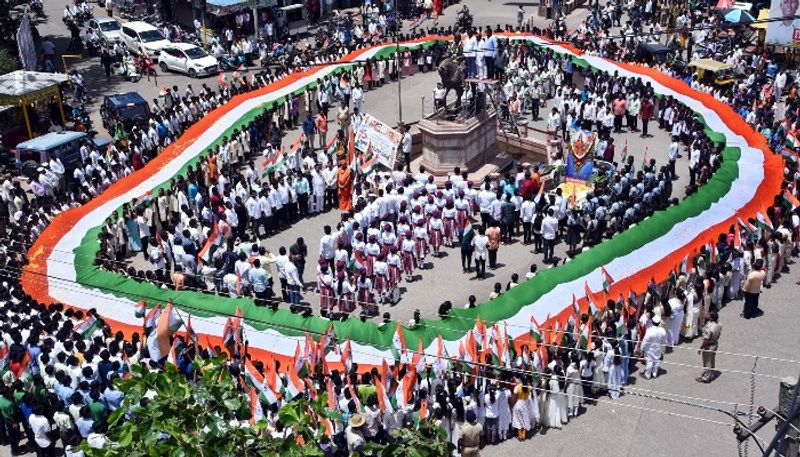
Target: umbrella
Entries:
(737, 16)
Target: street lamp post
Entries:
(399, 75)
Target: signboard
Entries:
(376, 139)
(784, 32)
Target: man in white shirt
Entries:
(406, 145)
(469, 52)
(41, 429)
(485, 199)
(527, 210)
(554, 121)
(694, 164)
(652, 346)
(674, 149)
(489, 53)
(327, 247)
(549, 233)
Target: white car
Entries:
(141, 37)
(187, 58)
(107, 29)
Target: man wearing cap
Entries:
(652, 347)
(354, 434)
(471, 440)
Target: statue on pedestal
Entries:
(453, 75)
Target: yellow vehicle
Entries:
(709, 71)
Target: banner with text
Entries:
(374, 138)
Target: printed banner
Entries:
(373, 137)
(784, 32)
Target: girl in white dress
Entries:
(533, 406)
(574, 387)
(503, 411)
(557, 404)
(615, 372)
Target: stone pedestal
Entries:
(470, 145)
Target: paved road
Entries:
(632, 425)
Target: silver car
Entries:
(107, 29)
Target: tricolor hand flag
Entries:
(294, 385)
(607, 279)
(214, 240)
(791, 199)
(167, 324)
(87, 326)
(347, 357)
(624, 152)
(151, 318)
(399, 342)
(140, 309)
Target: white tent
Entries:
(21, 88)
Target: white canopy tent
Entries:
(21, 88)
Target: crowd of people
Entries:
(62, 365)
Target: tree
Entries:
(178, 418)
(425, 440)
(7, 62)
(166, 415)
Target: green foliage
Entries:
(183, 419)
(427, 440)
(210, 418)
(7, 62)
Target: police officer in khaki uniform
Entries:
(471, 440)
(708, 349)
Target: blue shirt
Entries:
(64, 393)
(308, 126)
(113, 399)
(84, 426)
(192, 192)
(258, 278)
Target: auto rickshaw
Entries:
(712, 72)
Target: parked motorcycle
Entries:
(229, 62)
(464, 19)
